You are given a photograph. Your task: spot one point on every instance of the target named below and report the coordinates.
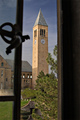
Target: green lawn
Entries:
(23, 103)
(6, 109)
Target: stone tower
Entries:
(40, 47)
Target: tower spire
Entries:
(40, 19)
(40, 47)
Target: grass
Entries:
(6, 110)
(23, 103)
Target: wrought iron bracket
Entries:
(13, 37)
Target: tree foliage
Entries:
(46, 96)
(28, 93)
(53, 62)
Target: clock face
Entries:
(43, 41)
(35, 42)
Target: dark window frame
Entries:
(1, 73)
(42, 32)
(68, 12)
(16, 98)
(6, 79)
(2, 64)
(67, 109)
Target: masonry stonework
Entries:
(7, 74)
(40, 47)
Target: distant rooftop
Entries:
(40, 19)
(26, 67)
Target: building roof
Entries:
(40, 19)
(26, 67)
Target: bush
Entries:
(28, 93)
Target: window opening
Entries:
(1, 73)
(12, 75)
(35, 33)
(6, 79)
(31, 76)
(23, 75)
(12, 61)
(2, 64)
(27, 75)
(42, 32)
(28, 81)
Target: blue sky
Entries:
(30, 12)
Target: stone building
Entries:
(7, 74)
(40, 47)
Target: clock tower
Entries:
(40, 47)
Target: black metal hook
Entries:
(15, 35)
(4, 33)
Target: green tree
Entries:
(51, 61)
(28, 93)
(41, 74)
(46, 97)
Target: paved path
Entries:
(6, 92)
(26, 111)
